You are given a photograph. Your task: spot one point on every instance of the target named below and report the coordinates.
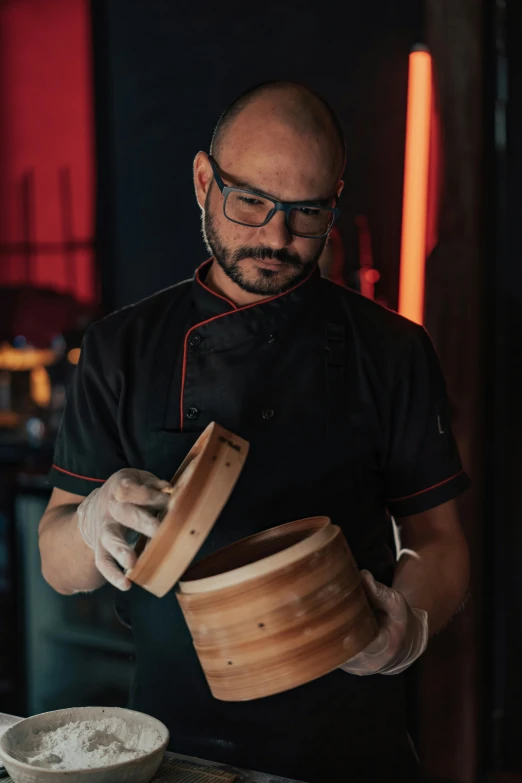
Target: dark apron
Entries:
(340, 727)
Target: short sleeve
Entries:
(423, 468)
(88, 448)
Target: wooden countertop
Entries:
(173, 768)
(242, 776)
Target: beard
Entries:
(262, 282)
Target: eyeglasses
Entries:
(310, 219)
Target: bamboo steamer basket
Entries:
(268, 613)
(199, 489)
(276, 610)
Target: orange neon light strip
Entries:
(416, 178)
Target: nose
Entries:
(275, 234)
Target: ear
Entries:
(202, 177)
(340, 188)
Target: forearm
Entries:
(435, 579)
(67, 562)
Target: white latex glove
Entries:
(402, 637)
(128, 501)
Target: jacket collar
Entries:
(270, 313)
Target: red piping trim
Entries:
(222, 315)
(428, 489)
(214, 293)
(77, 475)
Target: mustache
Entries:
(267, 253)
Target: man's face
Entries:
(268, 260)
(254, 266)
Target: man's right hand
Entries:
(129, 500)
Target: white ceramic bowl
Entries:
(139, 770)
(6, 721)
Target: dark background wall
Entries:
(164, 73)
(506, 307)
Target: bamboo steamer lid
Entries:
(276, 610)
(200, 489)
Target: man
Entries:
(345, 409)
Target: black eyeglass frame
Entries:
(279, 206)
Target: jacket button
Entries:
(192, 413)
(194, 340)
(271, 338)
(268, 413)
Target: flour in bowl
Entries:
(88, 743)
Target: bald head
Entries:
(283, 108)
(279, 142)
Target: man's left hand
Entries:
(402, 637)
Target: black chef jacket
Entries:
(345, 409)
